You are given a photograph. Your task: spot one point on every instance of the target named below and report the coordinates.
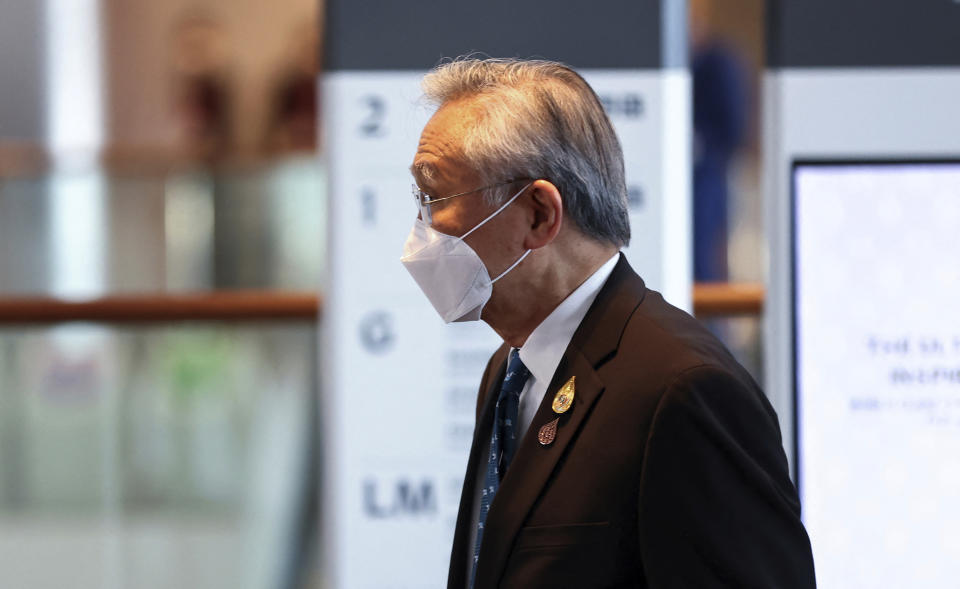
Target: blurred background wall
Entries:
(149, 453)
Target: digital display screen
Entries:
(876, 304)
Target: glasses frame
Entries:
(424, 200)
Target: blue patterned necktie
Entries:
(503, 443)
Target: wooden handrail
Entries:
(212, 306)
(718, 299)
(709, 300)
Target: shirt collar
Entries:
(544, 348)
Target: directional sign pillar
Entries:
(399, 386)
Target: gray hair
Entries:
(540, 119)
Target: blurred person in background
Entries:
(292, 123)
(720, 115)
(617, 443)
(203, 99)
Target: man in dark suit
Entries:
(618, 444)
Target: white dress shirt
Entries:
(541, 354)
(544, 348)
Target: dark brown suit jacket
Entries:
(668, 471)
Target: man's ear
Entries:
(546, 207)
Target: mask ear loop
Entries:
(514, 265)
(496, 212)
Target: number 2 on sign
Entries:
(372, 124)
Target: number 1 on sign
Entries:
(368, 203)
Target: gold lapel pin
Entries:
(563, 400)
(548, 432)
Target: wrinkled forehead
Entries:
(439, 159)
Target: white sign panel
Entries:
(838, 113)
(877, 283)
(399, 386)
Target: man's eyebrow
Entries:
(423, 173)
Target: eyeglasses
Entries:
(424, 200)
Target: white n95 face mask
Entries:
(449, 272)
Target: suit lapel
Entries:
(461, 539)
(594, 342)
(532, 466)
